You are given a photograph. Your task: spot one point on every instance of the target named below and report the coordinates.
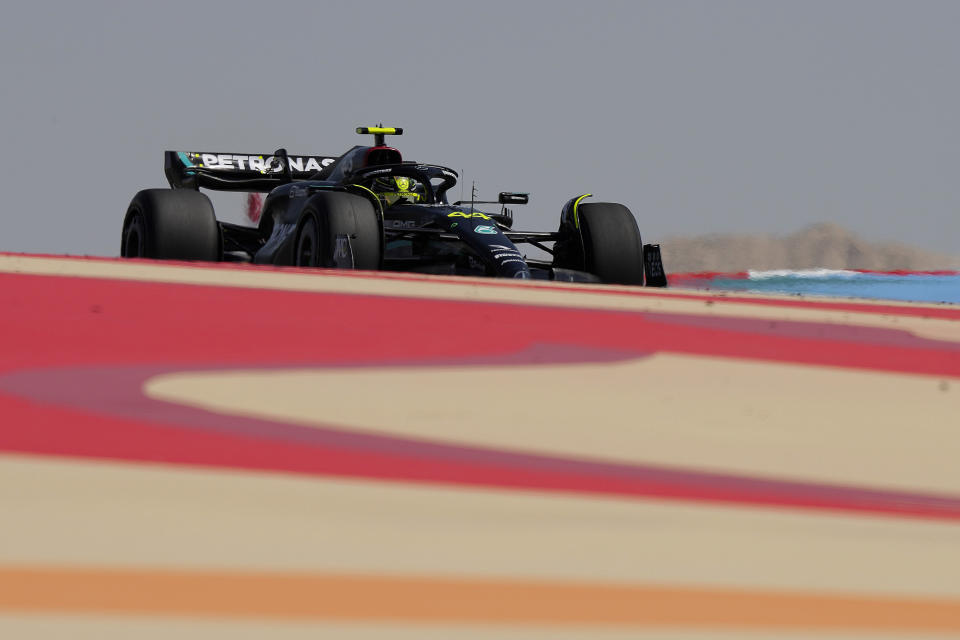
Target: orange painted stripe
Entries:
(418, 599)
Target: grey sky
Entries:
(699, 116)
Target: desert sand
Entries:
(823, 245)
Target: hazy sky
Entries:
(699, 116)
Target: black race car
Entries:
(370, 209)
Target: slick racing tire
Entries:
(612, 247)
(339, 230)
(171, 224)
(306, 252)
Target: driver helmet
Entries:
(395, 188)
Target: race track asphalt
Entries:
(226, 451)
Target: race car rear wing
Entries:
(239, 172)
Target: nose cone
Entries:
(518, 270)
(509, 261)
(480, 232)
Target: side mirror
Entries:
(508, 197)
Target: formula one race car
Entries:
(370, 209)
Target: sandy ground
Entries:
(820, 246)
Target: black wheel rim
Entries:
(307, 245)
(133, 237)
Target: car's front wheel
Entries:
(339, 230)
(307, 250)
(602, 238)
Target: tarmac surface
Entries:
(238, 452)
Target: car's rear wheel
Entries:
(170, 224)
(339, 230)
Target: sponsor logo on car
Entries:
(475, 214)
(505, 253)
(268, 164)
(488, 229)
(342, 249)
(298, 192)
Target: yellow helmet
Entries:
(395, 188)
